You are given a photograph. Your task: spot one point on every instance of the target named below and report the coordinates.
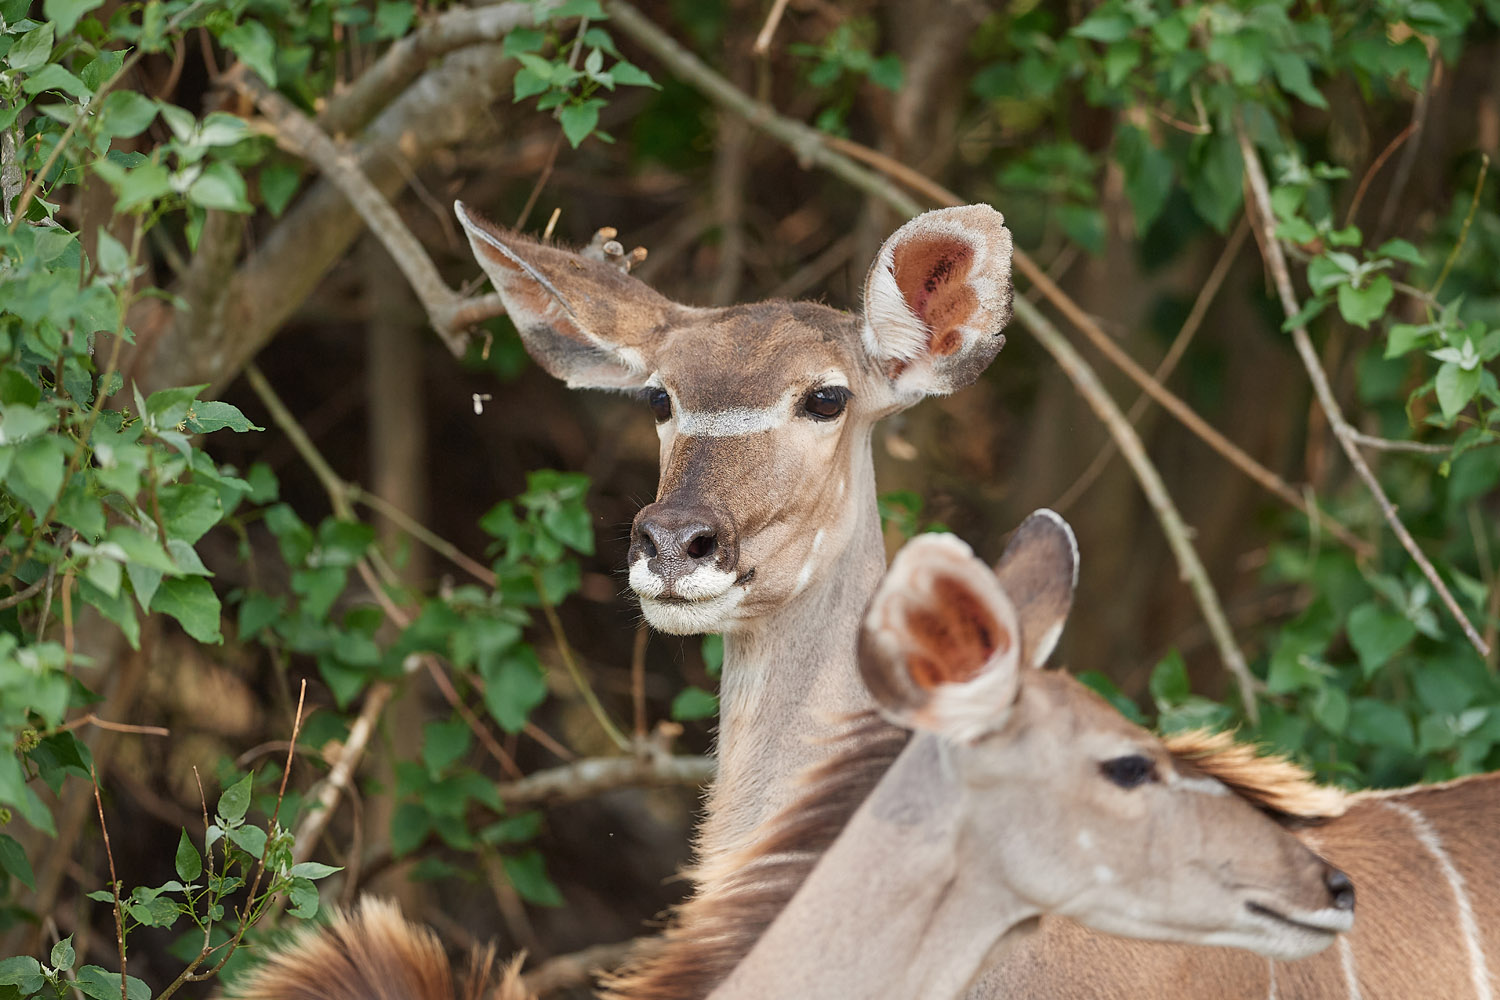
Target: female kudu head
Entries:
(764, 411)
(1073, 808)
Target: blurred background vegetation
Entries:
(260, 427)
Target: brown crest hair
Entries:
(1270, 782)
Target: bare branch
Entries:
(812, 148)
(1276, 261)
(297, 133)
(592, 776)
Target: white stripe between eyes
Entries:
(732, 423)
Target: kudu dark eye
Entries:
(1129, 771)
(826, 403)
(660, 402)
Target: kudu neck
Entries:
(789, 680)
(926, 931)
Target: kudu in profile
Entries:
(904, 865)
(765, 525)
(1022, 792)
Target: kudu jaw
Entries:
(763, 411)
(1123, 837)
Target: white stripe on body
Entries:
(1346, 959)
(1479, 971)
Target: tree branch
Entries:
(298, 134)
(812, 149)
(592, 776)
(1348, 438)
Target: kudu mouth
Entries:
(684, 566)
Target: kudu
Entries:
(903, 865)
(765, 525)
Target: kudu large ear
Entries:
(936, 299)
(1039, 571)
(940, 645)
(585, 321)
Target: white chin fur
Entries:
(713, 614)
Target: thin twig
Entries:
(1167, 365)
(422, 533)
(1386, 444)
(1276, 261)
(1364, 182)
(638, 679)
(762, 45)
(1463, 233)
(116, 727)
(26, 594)
(570, 663)
(114, 886)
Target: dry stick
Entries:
(1276, 261)
(570, 663)
(762, 46)
(1106, 344)
(586, 778)
(114, 886)
(24, 595)
(811, 147)
(1168, 364)
(576, 969)
(1364, 182)
(1386, 444)
(300, 135)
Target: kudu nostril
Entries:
(1340, 888)
(702, 546)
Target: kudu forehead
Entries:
(753, 355)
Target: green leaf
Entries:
(1398, 249)
(95, 982)
(127, 113)
(65, 13)
(393, 18)
(63, 956)
(1295, 77)
(1376, 723)
(278, 183)
(410, 826)
(631, 75)
(36, 472)
(1148, 175)
(53, 77)
(169, 407)
(253, 43)
(189, 862)
(578, 8)
(1362, 306)
(192, 601)
(1377, 634)
(513, 829)
(712, 651)
(303, 896)
(578, 120)
(694, 703)
(1102, 685)
(312, 870)
(235, 800)
(220, 186)
(188, 510)
(527, 873)
(443, 743)
(1455, 387)
(250, 839)
(1104, 26)
(257, 610)
(1403, 338)
(25, 973)
(33, 49)
(1169, 681)
(13, 859)
(527, 82)
(519, 40)
(514, 684)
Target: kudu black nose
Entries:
(1340, 888)
(678, 539)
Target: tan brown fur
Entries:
(373, 953)
(1271, 782)
(708, 935)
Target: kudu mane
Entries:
(711, 933)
